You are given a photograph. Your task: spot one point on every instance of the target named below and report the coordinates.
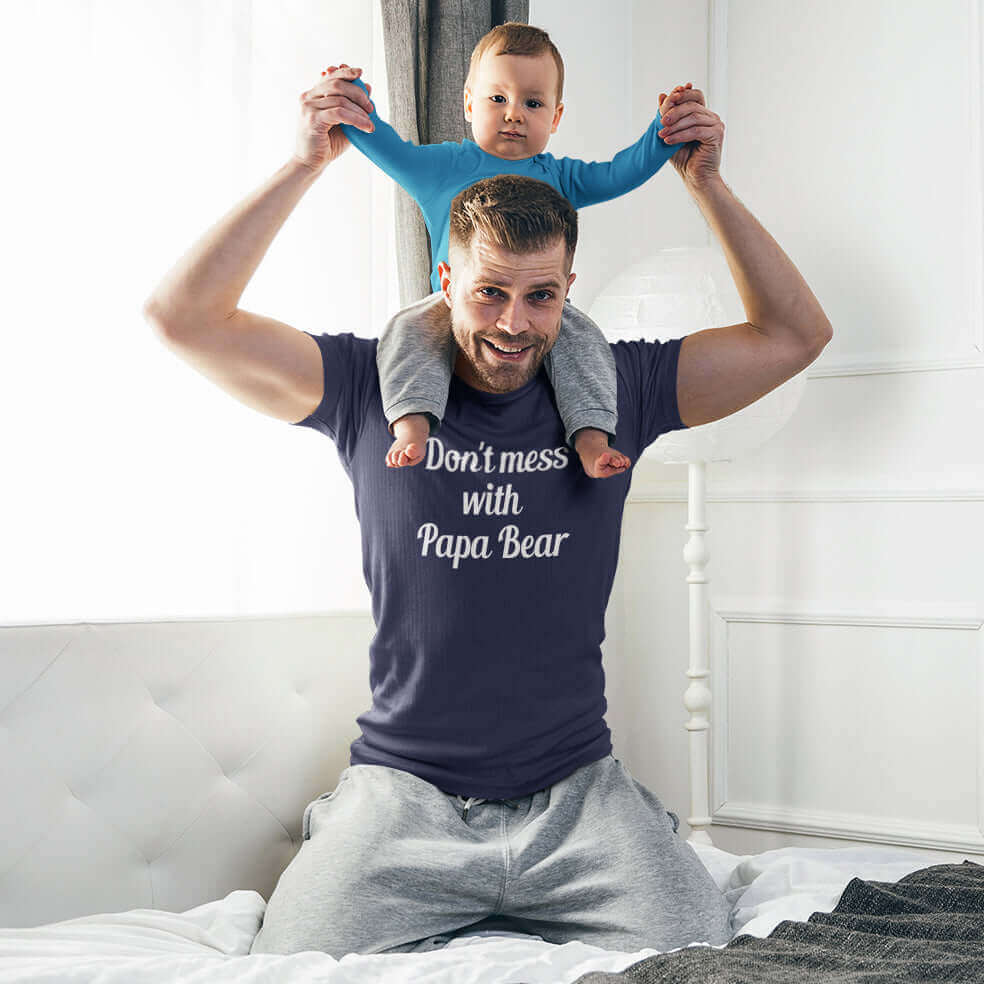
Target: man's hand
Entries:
(686, 118)
(332, 101)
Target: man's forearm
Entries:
(208, 281)
(776, 297)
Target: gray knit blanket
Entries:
(928, 926)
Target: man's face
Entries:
(510, 300)
(513, 94)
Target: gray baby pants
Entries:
(389, 863)
(416, 355)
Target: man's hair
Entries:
(515, 213)
(515, 38)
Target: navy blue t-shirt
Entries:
(490, 564)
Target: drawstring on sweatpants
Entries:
(475, 800)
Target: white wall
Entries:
(132, 485)
(617, 59)
(846, 589)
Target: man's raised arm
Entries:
(722, 370)
(264, 363)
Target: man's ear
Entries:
(468, 104)
(444, 272)
(558, 112)
(570, 280)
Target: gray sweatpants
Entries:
(389, 863)
(416, 356)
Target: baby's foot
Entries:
(411, 431)
(599, 460)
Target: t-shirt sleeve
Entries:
(350, 382)
(649, 371)
(587, 183)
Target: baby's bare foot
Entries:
(597, 457)
(411, 431)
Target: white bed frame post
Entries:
(697, 698)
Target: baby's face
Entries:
(512, 105)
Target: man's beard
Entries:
(501, 377)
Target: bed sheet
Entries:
(211, 942)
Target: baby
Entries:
(512, 98)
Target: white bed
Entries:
(154, 778)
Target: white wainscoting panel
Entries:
(876, 179)
(863, 725)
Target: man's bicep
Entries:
(722, 370)
(264, 363)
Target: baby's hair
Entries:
(515, 38)
(515, 213)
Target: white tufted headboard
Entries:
(164, 764)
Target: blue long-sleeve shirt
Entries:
(432, 174)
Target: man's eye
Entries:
(482, 290)
(547, 295)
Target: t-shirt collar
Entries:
(481, 396)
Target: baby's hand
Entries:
(666, 102)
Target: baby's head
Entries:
(515, 84)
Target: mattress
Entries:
(211, 942)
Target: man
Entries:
(482, 793)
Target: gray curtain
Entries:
(428, 45)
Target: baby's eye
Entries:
(534, 103)
(496, 98)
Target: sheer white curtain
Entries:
(132, 487)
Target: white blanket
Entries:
(211, 942)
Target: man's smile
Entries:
(508, 353)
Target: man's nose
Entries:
(511, 318)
